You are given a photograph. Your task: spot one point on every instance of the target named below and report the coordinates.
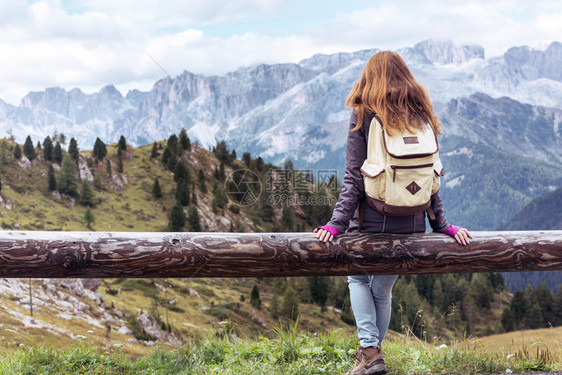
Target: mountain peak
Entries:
(446, 52)
(335, 61)
(533, 63)
(110, 91)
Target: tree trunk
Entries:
(130, 254)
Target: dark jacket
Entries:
(346, 214)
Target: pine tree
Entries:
(0, 184)
(319, 288)
(48, 149)
(194, 221)
(507, 320)
(119, 161)
(255, 300)
(4, 159)
(543, 297)
(156, 189)
(28, 149)
(52, 179)
(89, 218)
(17, 152)
(172, 161)
(100, 150)
(67, 183)
(193, 198)
(172, 145)
(38, 145)
(122, 144)
(247, 158)
(181, 172)
(279, 285)
(534, 318)
(346, 315)
(259, 164)
(166, 156)
(202, 185)
(518, 307)
(437, 296)
(86, 194)
(288, 219)
(222, 175)
(289, 165)
(108, 167)
(154, 152)
(274, 306)
(301, 285)
(182, 193)
(482, 290)
(57, 153)
(290, 305)
(184, 140)
(557, 306)
(266, 209)
(73, 149)
(529, 295)
(220, 197)
(177, 219)
(221, 152)
(61, 138)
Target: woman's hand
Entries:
(323, 235)
(462, 236)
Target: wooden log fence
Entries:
(134, 254)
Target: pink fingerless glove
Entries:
(452, 230)
(333, 231)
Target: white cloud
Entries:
(399, 24)
(46, 43)
(155, 14)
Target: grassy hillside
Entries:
(531, 340)
(288, 352)
(28, 205)
(182, 308)
(435, 308)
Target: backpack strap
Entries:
(430, 213)
(361, 214)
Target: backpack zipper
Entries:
(395, 167)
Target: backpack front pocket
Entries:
(409, 185)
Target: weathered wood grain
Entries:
(133, 254)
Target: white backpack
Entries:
(401, 172)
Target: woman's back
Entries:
(348, 209)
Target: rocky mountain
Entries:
(284, 100)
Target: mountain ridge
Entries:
(449, 70)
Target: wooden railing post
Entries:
(134, 254)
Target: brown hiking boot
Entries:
(368, 361)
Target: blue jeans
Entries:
(371, 298)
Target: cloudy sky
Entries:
(131, 44)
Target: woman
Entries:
(386, 88)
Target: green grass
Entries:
(288, 352)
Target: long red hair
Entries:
(388, 88)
